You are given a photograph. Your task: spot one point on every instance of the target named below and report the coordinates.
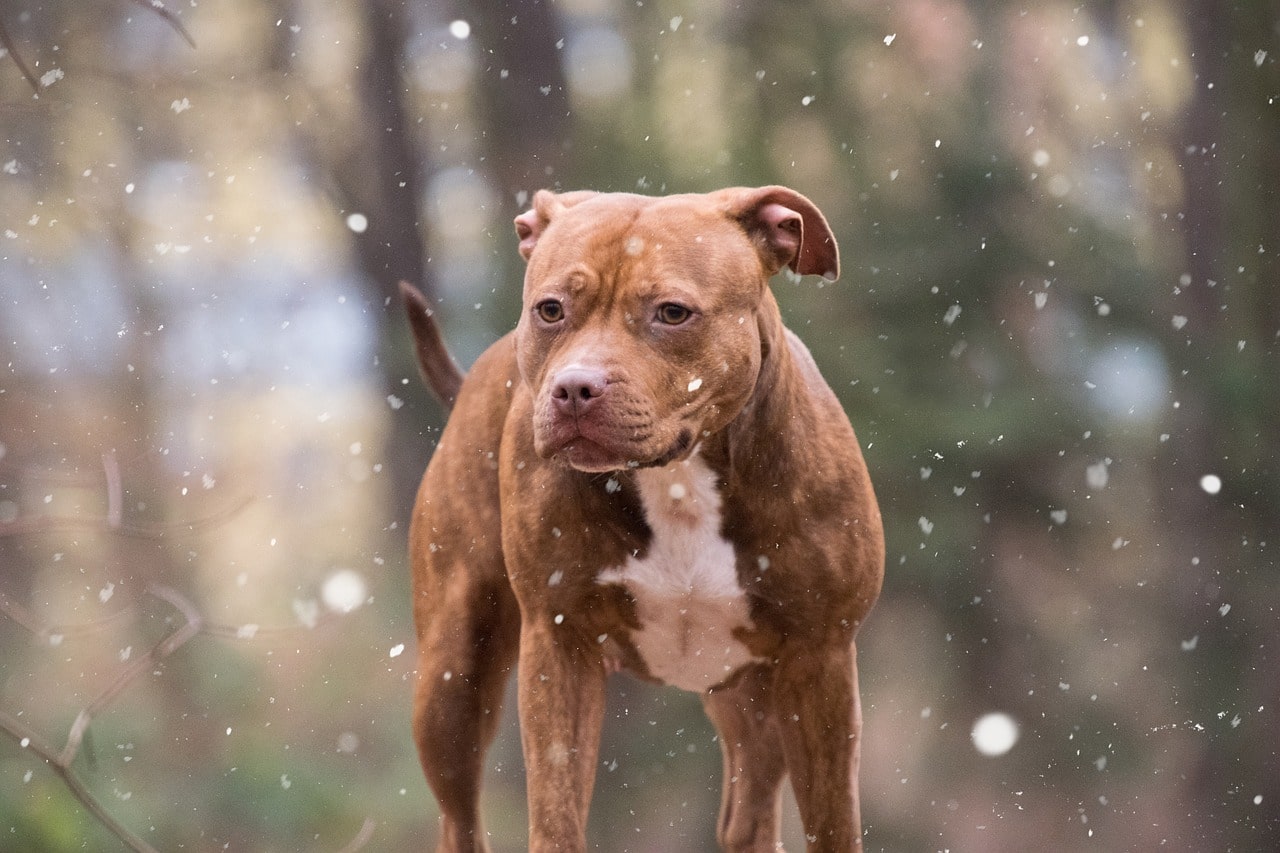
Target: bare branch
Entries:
(153, 658)
(61, 762)
(115, 492)
(45, 633)
(362, 837)
(7, 41)
(156, 6)
(173, 20)
(43, 523)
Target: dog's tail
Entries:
(434, 361)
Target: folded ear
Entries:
(546, 204)
(788, 229)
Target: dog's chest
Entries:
(688, 599)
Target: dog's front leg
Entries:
(561, 707)
(820, 717)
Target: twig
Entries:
(115, 492)
(362, 837)
(28, 739)
(173, 20)
(43, 523)
(150, 660)
(156, 6)
(26, 619)
(7, 41)
(61, 761)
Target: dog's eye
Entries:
(550, 310)
(673, 314)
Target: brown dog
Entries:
(649, 474)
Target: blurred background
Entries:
(1057, 335)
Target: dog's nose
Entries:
(575, 389)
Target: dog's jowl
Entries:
(648, 474)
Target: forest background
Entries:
(1057, 334)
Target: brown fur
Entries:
(516, 516)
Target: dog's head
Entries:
(640, 333)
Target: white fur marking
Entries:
(686, 589)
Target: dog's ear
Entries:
(546, 204)
(788, 228)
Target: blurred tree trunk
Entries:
(1225, 420)
(386, 184)
(528, 101)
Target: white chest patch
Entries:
(686, 589)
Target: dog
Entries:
(648, 474)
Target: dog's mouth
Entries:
(592, 456)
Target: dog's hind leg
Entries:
(467, 648)
(754, 767)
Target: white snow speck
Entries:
(1082, 41)
(952, 313)
(11, 167)
(284, 781)
(308, 612)
(1190, 645)
(181, 107)
(53, 75)
(394, 402)
(1042, 299)
(888, 40)
(460, 29)
(556, 577)
(1259, 57)
(559, 620)
(343, 591)
(677, 491)
(694, 385)
(1096, 476)
(926, 525)
(1058, 516)
(1178, 322)
(357, 222)
(396, 650)
(1211, 483)
(994, 734)
(676, 22)
(104, 594)
(247, 631)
